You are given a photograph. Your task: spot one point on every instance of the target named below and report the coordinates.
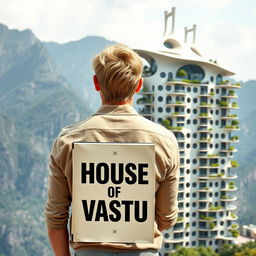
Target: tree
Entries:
(182, 73)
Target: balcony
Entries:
(204, 129)
(176, 103)
(204, 115)
(228, 105)
(145, 112)
(177, 92)
(231, 216)
(187, 82)
(231, 127)
(212, 209)
(204, 189)
(225, 198)
(227, 84)
(229, 117)
(232, 139)
(208, 226)
(206, 156)
(205, 139)
(205, 105)
(178, 114)
(231, 207)
(146, 91)
(230, 187)
(145, 101)
(206, 218)
(230, 96)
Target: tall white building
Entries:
(191, 96)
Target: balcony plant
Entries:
(182, 73)
(224, 103)
(234, 138)
(166, 123)
(234, 115)
(233, 216)
(231, 185)
(215, 208)
(214, 164)
(234, 163)
(225, 197)
(234, 105)
(234, 122)
(231, 93)
(180, 218)
(234, 232)
(234, 226)
(212, 225)
(202, 217)
(191, 81)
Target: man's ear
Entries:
(96, 83)
(140, 83)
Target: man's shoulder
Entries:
(156, 129)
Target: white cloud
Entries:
(232, 46)
(216, 4)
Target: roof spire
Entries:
(193, 29)
(167, 15)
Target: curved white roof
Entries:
(187, 52)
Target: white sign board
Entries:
(113, 194)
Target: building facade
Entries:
(192, 96)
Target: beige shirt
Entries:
(115, 123)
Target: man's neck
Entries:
(130, 102)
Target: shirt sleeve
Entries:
(59, 198)
(166, 195)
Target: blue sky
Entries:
(226, 29)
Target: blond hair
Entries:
(118, 70)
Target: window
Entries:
(170, 76)
(191, 72)
(160, 120)
(160, 109)
(160, 87)
(168, 88)
(160, 98)
(195, 90)
(149, 65)
(218, 79)
(162, 74)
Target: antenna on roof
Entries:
(167, 15)
(193, 29)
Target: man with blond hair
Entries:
(117, 78)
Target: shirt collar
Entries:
(125, 109)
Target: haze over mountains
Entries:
(44, 87)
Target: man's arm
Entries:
(59, 241)
(166, 196)
(58, 203)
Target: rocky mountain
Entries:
(246, 98)
(247, 171)
(35, 102)
(74, 61)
